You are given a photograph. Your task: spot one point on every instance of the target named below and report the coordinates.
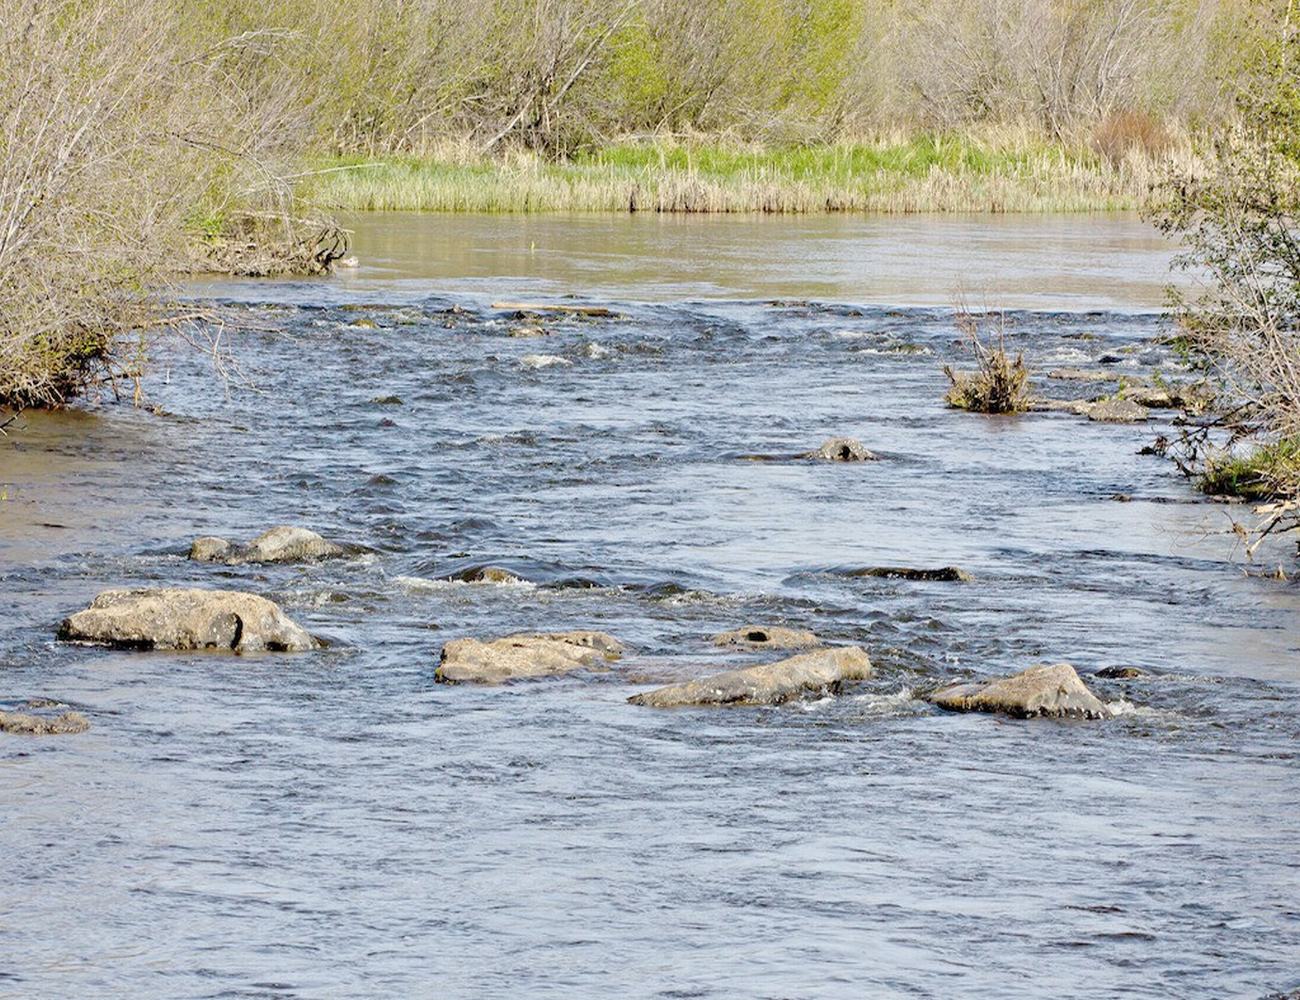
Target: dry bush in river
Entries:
(120, 141)
(999, 384)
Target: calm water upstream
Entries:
(338, 825)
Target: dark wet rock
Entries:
(1122, 673)
(387, 401)
(1117, 411)
(186, 618)
(43, 725)
(1053, 691)
(1110, 359)
(278, 545)
(486, 574)
(767, 637)
(1122, 497)
(942, 574)
(841, 449)
(526, 655)
(817, 673)
(387, 423)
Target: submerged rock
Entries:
(43, 725)
(1054, 691)
(1087, 375)
(526, 655)
(1122, 673)
(767, 637)
(1041, 404)
(816, 673)
(281, 544)
(842, 449)
(942, 574)
(543, 361)
(487, 574)
(186, 618)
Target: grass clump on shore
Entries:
(1264, 473)
(1000, 383)
(1013, 172)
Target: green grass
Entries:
(1261, 474)
(925, 174)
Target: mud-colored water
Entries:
(337, 824)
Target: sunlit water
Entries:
(337, 824)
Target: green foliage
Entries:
(926, 174)
(1263, 473)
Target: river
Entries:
(337, 824)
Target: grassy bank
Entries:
(925, 174)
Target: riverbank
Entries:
(1015, 172)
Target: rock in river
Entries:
(281, 544)
(43, 725)
(820, 672)
(1117, 411)
(177, 618)
(767, 637)
(1122, 673)
(487, 574)
(842, 450)
(525, 655)
(1054, 691)
(942, 574)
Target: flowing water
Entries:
(337, 824)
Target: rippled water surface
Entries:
(337, 824)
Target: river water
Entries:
(336, 824)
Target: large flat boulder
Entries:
(1054, 691)
(816, 673)
(43, 725)
(767, 637)
(515, 657)
(186, 618)
(1117, 411)
(281, 544)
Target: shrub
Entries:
(1000, 384)
(1238, 222)
(1125, 133)
(122, 138)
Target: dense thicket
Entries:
(138, 136)
(1239, 220)
(131, 146)
(405, 75)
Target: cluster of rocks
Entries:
(278, 545)
(1132, 401)
(199, 619)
